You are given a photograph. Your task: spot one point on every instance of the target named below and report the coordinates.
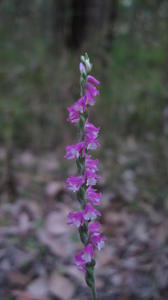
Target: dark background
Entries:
(40, 47)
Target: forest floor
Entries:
(37, 246)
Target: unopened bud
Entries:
(88, 65)
(83, 59)
(82, 68)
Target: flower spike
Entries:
(83, 184)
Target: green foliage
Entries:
(37, 85)
(136, 97)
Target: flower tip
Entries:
(82, 68)
(91, 79)
(86, 61)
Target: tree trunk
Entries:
(77, 34)
(61, 14)
(84, 24)
(92, 22)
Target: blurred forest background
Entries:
(41, 44)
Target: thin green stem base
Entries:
(94, 297)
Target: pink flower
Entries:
(95, 235)
(80, 105)
(75, 109)
(90, 100)
(91, 164)
(91, 178)
(88, 253)
(90, 213)
(93, 196)
(73, 115)
(92, 144)
(91, 132)
(73, 151)
(74, 183)
(95, 229)
(79, 261)
(92, 90)
(84, 257)
(76, 218)
(91, 79)
(98, 241)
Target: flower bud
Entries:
(88, 65)
(82, 68)
(86, 62)
(83, 59)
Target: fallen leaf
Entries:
(56, 245)
(56, 223)
(24, 295)
(53, 188)
(24, 222)
(73, 272)
(99, 283)
(27, 159)
(38, 288)
(18, 279)
(61, 286)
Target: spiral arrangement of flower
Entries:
(86, 219)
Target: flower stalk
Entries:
(86, 218)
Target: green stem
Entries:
(83, 230)
(94, 293)
(89, 277)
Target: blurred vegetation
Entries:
(38, 82)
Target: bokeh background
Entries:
(41, 44)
